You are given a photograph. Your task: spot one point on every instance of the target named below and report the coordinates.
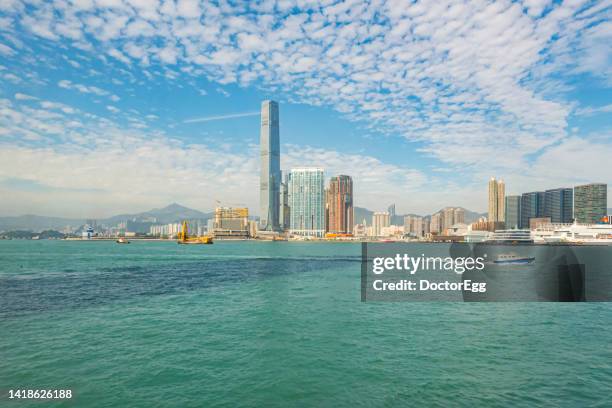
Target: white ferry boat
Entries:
(588, 234)
(512, 236)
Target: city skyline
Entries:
(121, 108)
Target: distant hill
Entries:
(472, 216)
(31, 222)
(359, 214)
(171, 213)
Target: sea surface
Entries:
(155, 324)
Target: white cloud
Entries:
(593, 110)
(24, 97)
(86, 89)
(89, 160)
(221, 117)
(6, 50)
(482, 87)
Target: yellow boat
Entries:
(184, 238)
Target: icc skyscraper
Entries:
(270, 177)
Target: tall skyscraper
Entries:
(513, 212)
(380, 220)
(391, 210)
(340, 205)
(590, 202)
(307, 202)
(270, 177)
(559, 205)
(532, 206)
(497, 192)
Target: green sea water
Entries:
(155, 324)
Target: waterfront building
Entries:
(339, 206)
(380, 220)
(448, 218)
(391, 231)
(497, 192)
(413, 225)
(284, 209)
(425, 224)
(513, 212)
(484, 225)
(391, 210)
(231, 222)
(559, 205)
(270, 176)
(532, 206)
(360, 230)
(306, 202)
(458, 216)
(252, 229)
(436, 226)
(590, 202)
(166, 230)
(538, 222)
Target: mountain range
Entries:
(171, 213)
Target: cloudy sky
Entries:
(110, 106)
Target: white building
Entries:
(380, 220)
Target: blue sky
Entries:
(113, 105)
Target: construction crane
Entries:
(219, 204)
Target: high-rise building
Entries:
(339, 205)
(559, 205)
(435, 226)
(380, 220)
(497, 192)
(413, 225)
(425, 223)
(459, 216)
(391, 210)
(532, 206)
(283, 202)
(306, 201)
(270, 177)
(590, 202)
(448, 217)
(513, 212)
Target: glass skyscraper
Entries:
(559, 205)
(590, 202)
(532, 206)
(307, 201)
(513, 212)
(270, 177)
